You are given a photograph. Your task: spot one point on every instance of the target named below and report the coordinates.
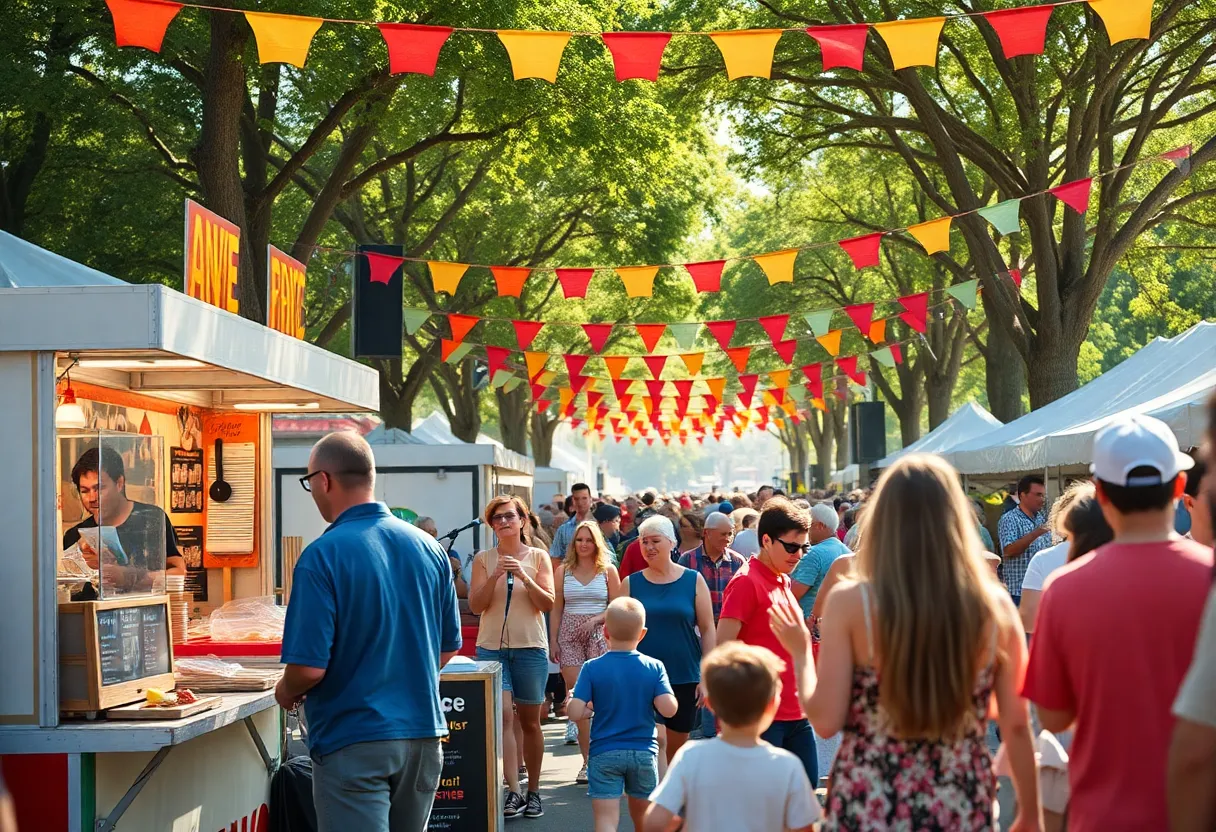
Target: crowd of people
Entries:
(720, 659)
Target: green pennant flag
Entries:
(884, 357)
(820, 322)
(501, 377)
(459, 353)
(797, 392)
(414, 319)
(685, 334)
(512, 383)
(964, 293)
(1003, 216)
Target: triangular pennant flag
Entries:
(577, 382)
(283, 38)
(798, 393)
(820, 322)
(861, 315)
(819, 404)
(722, 331)
(526, 332)
(500, 379)
(739, 356)
(814, 379)
(461, 324)
(414, 319)
(863, 250)
(912, 42)
(849, 365)
(933, 236)
(638, 280)
(445, 277)
(769, 397)
(747, 52)
(780, 378)
(452, 352)
(685, 334)
(512, 383)
(565, 398)
(878, 331)
(535, 362)
(683, 390)
(510, 280)
(897, 353)
(883, 356)
(1181, 159)
(413, 48)
(626, 401)
(748, 383)
(650, 334)
(777, 394)
(496, 359)
(655, 389)
(546, 377)
(1125, 19)
(655, 363)
(620, 388)
(841, 45)
(381, 267)
(616, 365)
(543, 405)
(707, 276)
(139, 23)
(831, 342)
(593, 403)
(574, 364)
(574, 282)
(538, 390)
(534, 54)
(636, 54)
(1074, 194)
(717, 387)
(774, 325)
(964, 293)
(1003, 216)
(693, 361)
(917, 315)
(1021, 31)
(778, 266)
(598, 335)
(786, 350)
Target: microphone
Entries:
(454, 532)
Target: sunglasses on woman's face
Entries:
(504, 517)
(791, 548)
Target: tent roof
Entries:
(964, 425)
(24, 265)
(435, 430)
(382, 435)
(1169, 378)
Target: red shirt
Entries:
(1114, 638)
(747, 599)
(632, 561)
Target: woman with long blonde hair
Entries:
(912, 654)
(586, 583)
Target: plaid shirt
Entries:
(1013, 526)
(716, 576)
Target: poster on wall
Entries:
(213, 256)
(186, 481)
(284, 293)
(190, 544)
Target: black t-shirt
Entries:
(147, 536)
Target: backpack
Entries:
(291, 806)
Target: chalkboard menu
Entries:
(468, 795)
(133, 643)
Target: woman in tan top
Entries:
(512, 633)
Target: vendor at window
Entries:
(144, 530)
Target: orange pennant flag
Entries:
(778, 266)
(1124, 19)
(780, 378)
(820, 404)
(789, 408)
(138, 23)
(565, 396)
(510, 280)
(536, 362)
(748, 52)
(693, 361)
(739, 356)
(283, 38)
(933, 236)
(769, 399)
(831, 342)
(878, 331)
(445, 277)
(534, 54)
(616, 365)
(717, 387)
(913, 42)
(638, 280)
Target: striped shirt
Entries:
(584, 599)
(1014, 526)
(716, 576)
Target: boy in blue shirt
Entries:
(629, 688)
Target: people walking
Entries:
(809, 574)
(372, 619)
(1023, 532)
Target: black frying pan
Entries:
(220, 491)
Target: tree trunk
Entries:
(939, 392)
(399, 391)
(822, 431)
(837, 411)
(908, 413)
(513, 418)
(1052, 373)
(1004, 376)
(465, 416)
(543, 428)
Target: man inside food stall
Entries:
(144, 530)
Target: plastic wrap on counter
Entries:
(249, 619)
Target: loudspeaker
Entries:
(377, 318)
(867, 432)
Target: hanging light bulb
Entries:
(68, 414)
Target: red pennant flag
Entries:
(574, 423)
(139, 23)
(1016, 276)
(626, 402)
(655, 363)
(897, 354)
(636, 54)
(621, 389)
(510, 280)
(786, 350)
(863, 251)
(413, 48)
(593, 402)
(722, 331)
(841, 45)
(1180, 157)
(655, 388)
(707, 276)
(814, 379)
(382, 266)
(1021, 31)
(650, 334)
(598, 335)
(849, 365)
(649, 440)
(538, 390)
(574, 281)
(778, 395)
(739, 356)
(577, 382)
(1074, 194)
(745, 399)
(461, 324)
(496, 359)
(748, 382)
(446, 348)
(711, 404)
(574, 363)
(862, 315)
(774, 325)
(526, 332)
(917, 315)
(542, 405)
(683, 389)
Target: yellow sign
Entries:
(285, 293)
(213, 256)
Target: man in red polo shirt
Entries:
(761, 582)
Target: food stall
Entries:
(122, 402)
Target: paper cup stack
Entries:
(179, 606)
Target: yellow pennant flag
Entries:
(820, 404)
(1124, 19)
(747, 52)
(445, 277)
(913, 42)
(933, 236)
(831, 342)
(638, 280)
(778, 266)
(565, 395)
(546, 378)
(283, 38)
(780, 378)
(693, 361)
(717, 387)
(616, 365)
(789, 408)
(536, 362)
(769, 399)
(534, 54)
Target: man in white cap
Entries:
(1116, 630)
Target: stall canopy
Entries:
(24, 265)
(435, 430)
(1169, 378)
(964, 425)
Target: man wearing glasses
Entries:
(761, 583)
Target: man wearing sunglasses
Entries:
(761, 583)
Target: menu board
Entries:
(133, 643)
(462, 801)
(185, 481)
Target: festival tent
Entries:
(967, 423)
(1169, 378)
(24, 265)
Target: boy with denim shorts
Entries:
(623, 689)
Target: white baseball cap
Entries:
(1137, 441)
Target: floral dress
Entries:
(881, 782)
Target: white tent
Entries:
(435, 430)
(24, 265)
(1170, 378)
(966, 424)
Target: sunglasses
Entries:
(791, 548)
(505, 517)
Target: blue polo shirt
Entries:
(372, 602)
(622, 686)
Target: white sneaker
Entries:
(571, 733)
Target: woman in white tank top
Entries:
(586, 582)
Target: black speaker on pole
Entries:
(867, 432)
(377, 318)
